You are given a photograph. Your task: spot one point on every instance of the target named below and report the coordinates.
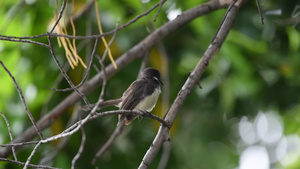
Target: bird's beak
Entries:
(160, 81)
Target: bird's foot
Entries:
(145, 114)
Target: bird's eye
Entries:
(155, 78)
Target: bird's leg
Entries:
(145, 114)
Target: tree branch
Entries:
(10, 136)
(87, 73)
(194, 77)
(59, 15)
(23, 100)
(30, 165)
(92, 116)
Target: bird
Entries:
(141, 95)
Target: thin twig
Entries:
(31, 155)
(48, 158)
(81, 148)
(101, 60)
(75, 127)
(111, 139)
(96, 68)
(7, 38)
(29, 165)
(101, 96)
(97, 36)
(19, 144)
(119, 128)
(59, 15)
(104, 77)
(23, 100)
(65, 74)
(133, 112)
(260, 13)
(160, 5)
(218, 30)
(10, 136)
(106, 103)
(86, 74)
(76, 157)
(57, 81)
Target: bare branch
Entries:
(260, 13)
(23, 100)
(76, 126)
(76, 157)
(59, 15)
(31, 155)
(119, 129)
(7, 38)
(48, 158)
(65, 74)
(106, 103)
(30, 165)
(86, 74)
(134, 112)
(19, 144)
(111, 139)
(218, 30)
(10, 135)
(10, 38)
(193, 79)
(103, 90)
(160, 5)
(83, 138)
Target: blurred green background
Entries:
(247, 113)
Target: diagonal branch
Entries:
(92, 116)
(194, 77)
(10, 135)
(65, 74)
(30, 165)
(18, 38)
(81, 148)
(23, 101)
(7, 38)
(59, 15)
(87, 73)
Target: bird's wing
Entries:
(131, 98)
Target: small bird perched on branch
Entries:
(141, 95)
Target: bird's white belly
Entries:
(149, 102)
